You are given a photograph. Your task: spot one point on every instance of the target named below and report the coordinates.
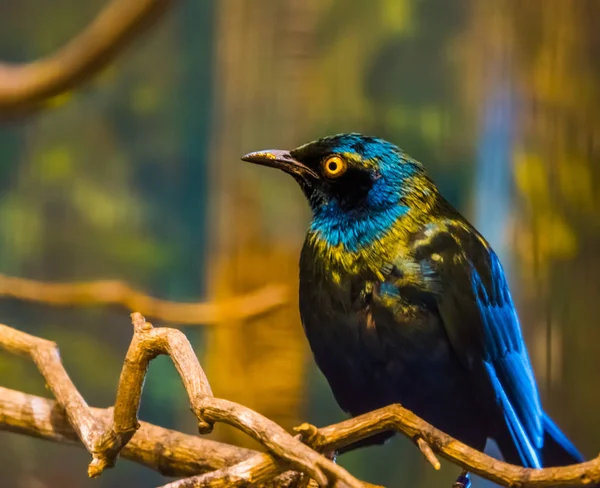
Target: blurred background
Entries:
(136, 176)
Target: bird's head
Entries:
(351, 171)
(348, 179)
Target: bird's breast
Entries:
(374, 348)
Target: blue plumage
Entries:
(353, 230)
(402, 300)
(356, 222)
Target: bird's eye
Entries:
(334, 166)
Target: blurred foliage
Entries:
(136, 176)
(550, 57)
(388, 68)
(107, 182)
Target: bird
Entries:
(403, 301)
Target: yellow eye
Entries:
(334, 166)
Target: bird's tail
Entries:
(557, 450)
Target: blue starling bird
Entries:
(403, 301)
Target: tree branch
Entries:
(395, 417)
(221, 465)
(24, 87)
(148, 342)
(169, 452)
(112, 292)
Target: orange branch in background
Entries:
(112, 292)
(25, 87)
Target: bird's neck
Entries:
(347, 243)
(366, 238)
(359, 226)
(356, 229)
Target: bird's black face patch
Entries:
(351, 187)
(352, 172)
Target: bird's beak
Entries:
(283, 160)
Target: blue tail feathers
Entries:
(558, 450)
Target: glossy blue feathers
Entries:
(368, 218)
(353, 230)
(402, 300)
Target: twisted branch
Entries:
(25, 86)
(395, 417)
(105, 444)
(112, 292)
(169, 452)
(107, 433)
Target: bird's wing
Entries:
(479, 316)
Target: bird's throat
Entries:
(353, 231)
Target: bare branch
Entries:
(105, 444)
(176, 453)
(395, 417)
(428, 453)
(24, 87)
(112, 292)
(149, 342)
(169, 452)
(47, 359)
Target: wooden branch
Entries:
(174, 453)
(23, 87)
(105, 444)
(148, 342)
(169, 452)
(46, 357)
(428, 453)
(395, 417)
(112, 292)
(429, 440)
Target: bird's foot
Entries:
(463, 481)
(309, 434)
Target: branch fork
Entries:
(291, 461)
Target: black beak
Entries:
(283, 160)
